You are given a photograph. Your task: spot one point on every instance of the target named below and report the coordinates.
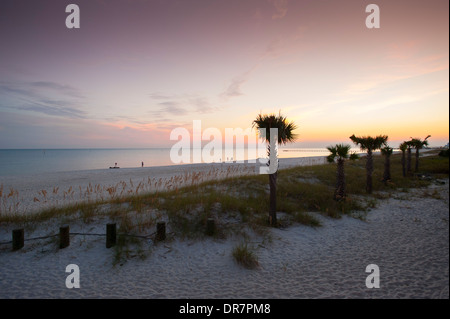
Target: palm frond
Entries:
(332, 156)
(367, 143)
(285, 128)
(387, 150)
(354, 156)
(341, 151)
(403, 146)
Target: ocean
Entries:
(15, 162)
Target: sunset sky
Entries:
(137, 69)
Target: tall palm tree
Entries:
(369, 144)
(418, 144)
(340, 153)
(403, 147)
(285, 135)
(386, 151)
(409, 146)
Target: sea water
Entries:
(36, 161)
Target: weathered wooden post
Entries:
(17, 239)
(110, 235)
(160, 231)
(210, 227)
(64, 236)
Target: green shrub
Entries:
(245, 256)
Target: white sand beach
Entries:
(406, 236)
(32, 193)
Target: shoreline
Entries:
(31, 193)
(406, 235)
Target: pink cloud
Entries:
(281, 7)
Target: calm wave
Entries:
(31, 161)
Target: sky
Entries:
(136, 70)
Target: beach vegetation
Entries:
(403, 147)
(444, 153)
(237, 203)
(369, 144)
(418, 144)
(409, 146)
(285, 135)
(340, 153)
(245, 256)
(387, 151)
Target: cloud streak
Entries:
(281, 8)
(48, 98)
(174, 105)
(63, 89)
(172, 108)
(57, 109)
(234, 89)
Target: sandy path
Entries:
(407, 238)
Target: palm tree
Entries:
(285, 135)
(418, 144)
(340, 153)
(369, 144)
(408, 157)
(403, 147)
(386, 151)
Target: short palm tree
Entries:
(403, 147)
(418, 144)
(387, 151)
(285, 135)
(340, 153)
(369, 144)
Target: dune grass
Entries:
(239, 205)
(301, 190)
(245, 255)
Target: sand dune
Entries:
(35, 192)
(406, 236)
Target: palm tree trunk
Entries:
(404, 163)
(273, 194)
(417, 160)
(387, 169)
(273, 199)
(339, 193)
(369, 171)
(408, 163)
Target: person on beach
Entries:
(115, 166)
(142, 164)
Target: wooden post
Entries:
(110, 235)
(160, 231)
(64, 236)
(17, 238)
(210, 227)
